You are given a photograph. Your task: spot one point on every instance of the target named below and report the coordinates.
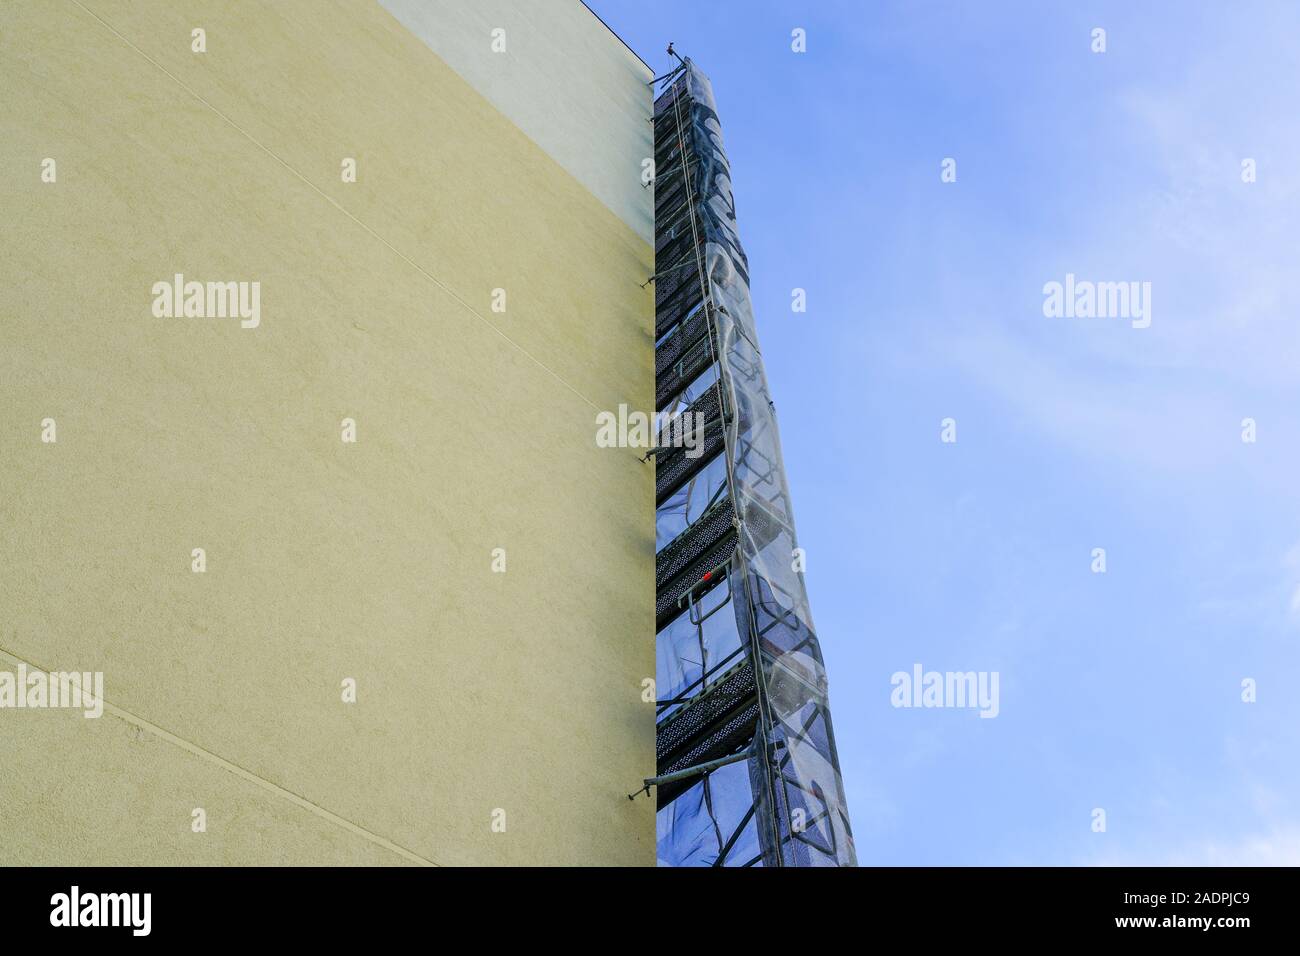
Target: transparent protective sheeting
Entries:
(711, 824)
(792, 788)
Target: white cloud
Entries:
(1277, 847)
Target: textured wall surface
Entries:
(325, 560)
(558, 76)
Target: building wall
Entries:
(476, 691)
(556, 74)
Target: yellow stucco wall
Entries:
(325, 560)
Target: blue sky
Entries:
(1119, 690)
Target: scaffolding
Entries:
(747, 773)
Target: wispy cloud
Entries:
(1279, 847)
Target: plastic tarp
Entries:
(793, 785)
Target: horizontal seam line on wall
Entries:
(274, 788)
